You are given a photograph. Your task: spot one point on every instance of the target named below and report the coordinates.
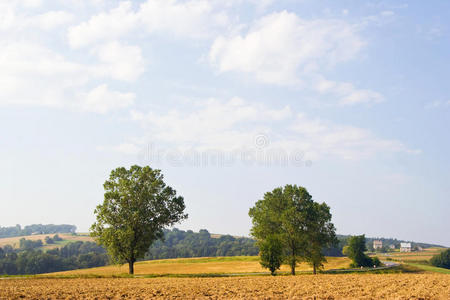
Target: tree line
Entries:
(178, 243)
(441, 260)
(36, 229)
(76, 255)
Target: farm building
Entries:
(392, 247)
(377, 244)
(405, 247)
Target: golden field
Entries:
(426, 254)
(349, 286)
(212, 265)
(67, 238)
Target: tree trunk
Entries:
(293, 267)
(293, 260)
(131, 267)
(314, 268)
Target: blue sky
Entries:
(230, 99)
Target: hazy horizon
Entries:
(230, 99)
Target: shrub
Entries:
(376, 261)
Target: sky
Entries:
(230, 99)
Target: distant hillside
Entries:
(389, 241)
(66, 238)
(36, 229)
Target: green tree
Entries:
(321, 233)
(271, 253)
(137, 206)
(356, 248)
(49, 240)
(441, 260)
(301, 224)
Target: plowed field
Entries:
(349, 286)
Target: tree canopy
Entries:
(442, 259)
(137, 206)
(303, 227)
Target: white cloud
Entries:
(283, 49)
(103, 100)
(324, 138)
(232, 125)
(213, 123)
(280, 46)
(33, 75)
(106, 25)
(345, 92)
(16, 19)
(121, 62)
(193, 19)
(53, 19)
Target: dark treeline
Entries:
(36, 229)
(178, 243)
(76, 255)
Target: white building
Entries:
(405, 247)
(377, 244)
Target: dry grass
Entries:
(426, 254)
(14, 241)
(349, 286)
(246, 264)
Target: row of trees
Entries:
(26, 245)
(52, 240)
(72, 256)
(178, 243)
(36, 229)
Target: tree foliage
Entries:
(271, 253)
(137, 206)
(355, 251)
(441, 260)
(25, 244)
(303, 226)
